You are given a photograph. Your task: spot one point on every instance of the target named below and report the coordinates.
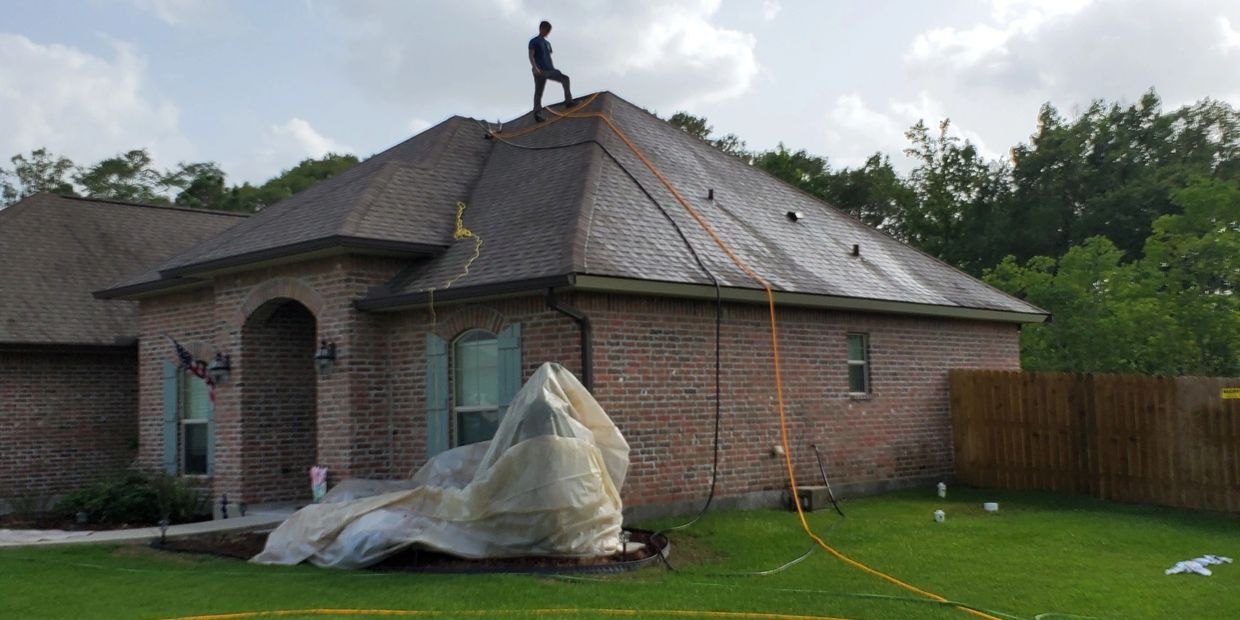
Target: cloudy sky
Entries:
(258, 86)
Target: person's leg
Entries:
(540, 81)
(560, 77)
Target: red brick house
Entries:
(68, 361)
(568, 251)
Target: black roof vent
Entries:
(796, 216)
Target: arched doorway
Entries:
(278, 402)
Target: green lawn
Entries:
(1042, 553)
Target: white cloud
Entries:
(281, 147)
(1070, 53)
(770, 9)
(855, 130)
(181, 12)
(419, 125)
(83, 106)
(472, 57)
(1231, 36)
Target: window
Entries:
(858, 364)
(195, 424)
(476, 406)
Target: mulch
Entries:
(245, 545)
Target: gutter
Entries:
(634, 286)
(587, 336)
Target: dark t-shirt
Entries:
(542, 52)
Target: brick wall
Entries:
(279, 443)
(654, 374)
(67, 418)
(351, 406)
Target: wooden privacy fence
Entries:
(1156, 440)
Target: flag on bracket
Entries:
(196, 367)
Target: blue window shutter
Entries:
(170, 417)
(509, 350)
(210, 438)
(436, 395)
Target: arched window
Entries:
(475, 359)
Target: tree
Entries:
(128, 176)
(954, 193)
(40, 171)
(1104, 318)
(248, 198)
(874, 193)
(697, 126)
(201, 185)
(1193, 262)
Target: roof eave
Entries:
(149, 288)
(407, 301)
(295, 251)
(609, 284)
(633, 286)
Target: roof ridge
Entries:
(145, 205)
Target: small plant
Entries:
(135, 498)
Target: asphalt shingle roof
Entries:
(567, 198)
(56, 250)
(575, 210)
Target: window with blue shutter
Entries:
(486, 374)
(188, 424)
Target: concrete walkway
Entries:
(260, 517)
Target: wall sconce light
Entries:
(325, 358)
(219, 368)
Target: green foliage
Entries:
(131, 177)
(955, 191)
(697, 126)
(1173, 312)
(40, 171)
(128, 177)
(135, 498)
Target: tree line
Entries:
(132, 177)
(1123, 221)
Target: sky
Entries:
(259, 86)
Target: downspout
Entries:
(587, 336)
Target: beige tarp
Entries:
(547, 484)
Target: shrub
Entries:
(135, 498)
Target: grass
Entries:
(1042, 553)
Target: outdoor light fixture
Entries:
(219, 368)
(325, 357)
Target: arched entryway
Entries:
(278, 401)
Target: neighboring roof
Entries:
(392, 203)
(567, 202)
(57, 249)
(574, 210)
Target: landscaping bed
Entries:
(245, 545)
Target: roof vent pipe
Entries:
(710, 194)
(856, 250)
(796, 216)
(587, 336)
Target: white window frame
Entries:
(864, 362)
(456, 407)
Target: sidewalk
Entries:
(260, 517)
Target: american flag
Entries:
(195, 366)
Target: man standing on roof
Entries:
(540, 62)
